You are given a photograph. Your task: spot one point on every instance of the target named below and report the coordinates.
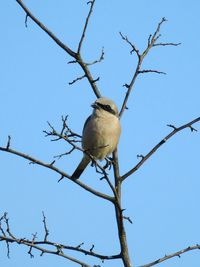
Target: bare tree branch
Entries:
(85, 26)
(120, 226)
(134, 48)
(164, 140)
(44, 28)
(56, 248)
(55, 169)
(151, 43)
(75, 55)
(167, 257)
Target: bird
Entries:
(101, 133)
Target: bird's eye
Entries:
(108, 107)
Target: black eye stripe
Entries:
(106, 108)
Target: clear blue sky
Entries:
(162, 198)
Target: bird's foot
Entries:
(109, 162)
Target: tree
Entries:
(69, 136)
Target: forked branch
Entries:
(152, 42)
(75, 55)
(46, 246)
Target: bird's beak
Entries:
(94, 105)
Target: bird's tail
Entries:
(81, 167)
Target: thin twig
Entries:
(167, 44)
(134, 48)
(167, 257)
(153, 150)
(46, 230)
(31, 247)
(151, 71)
(97, 60)
(85, 26)
(65, 154)
(77, 79)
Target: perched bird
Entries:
(101, 133)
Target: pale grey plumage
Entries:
(101, 133)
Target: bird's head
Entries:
(105, 104)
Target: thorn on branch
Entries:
(149, 40)
(102, 178)
(77, 79)
(8, 142)
(140, 156)
(91, 249)
(62, 177)
(72, 62)
(128, 219)
(51, 164)
(26, 20)
(96, 80)
(126, 85)
(42, 253)
(172, 126)
(80, 245)
(90, 2)
(192, 129)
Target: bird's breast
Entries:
(101, 135)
